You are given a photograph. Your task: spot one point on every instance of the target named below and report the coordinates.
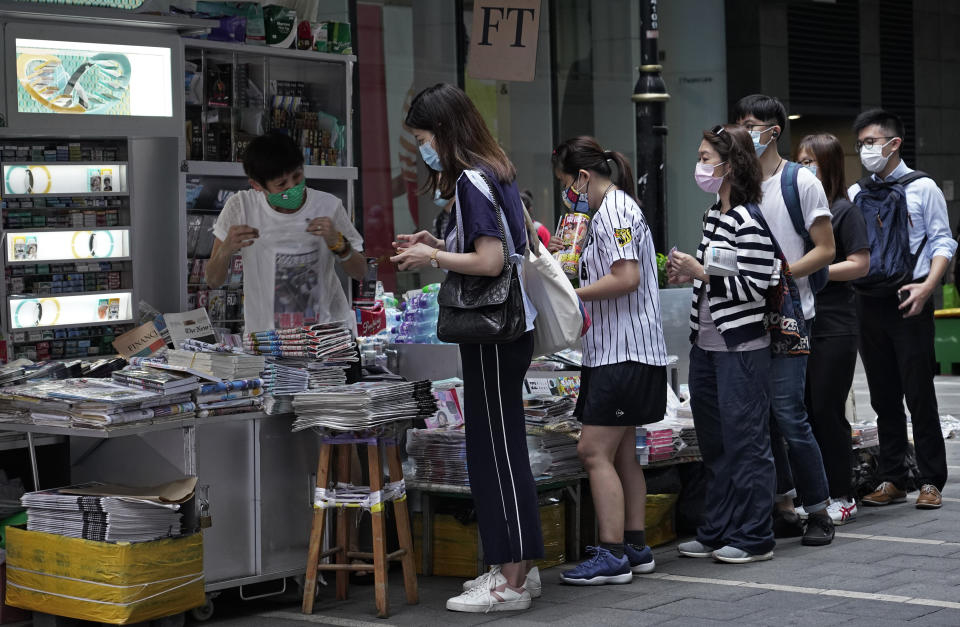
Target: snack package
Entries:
(573, 232)
(251, 11)
(280, 25)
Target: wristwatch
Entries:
(434, 262)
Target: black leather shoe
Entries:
(787, 524)
(819, 531)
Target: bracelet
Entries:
(348, 257)
(343, 250)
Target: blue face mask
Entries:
(438, 201)
(812, 168)
(755, 136)
(430, 156)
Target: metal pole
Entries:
(650, 97)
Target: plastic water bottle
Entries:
(421, 315)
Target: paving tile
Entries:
(943, 617)
(890, 611)
(918, 565)
(948, 590)
(706, 609)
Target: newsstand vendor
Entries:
(290, 237)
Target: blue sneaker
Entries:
(641, 562)
(602, 568)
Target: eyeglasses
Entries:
(872, 141)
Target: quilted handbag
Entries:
(480, 309)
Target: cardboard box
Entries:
(455, 544)
(117, 583)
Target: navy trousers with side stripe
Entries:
(504, 493)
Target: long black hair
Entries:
(463, 140)
(585, 153)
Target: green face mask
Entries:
(289, 199)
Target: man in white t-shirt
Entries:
(765, 118)
(290, 238)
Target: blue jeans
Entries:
(729, 395)
(789, 422)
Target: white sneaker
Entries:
(532, 582)
(842, 511)
(494, 596)
(802, 513)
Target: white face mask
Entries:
(872, 157)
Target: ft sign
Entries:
(503, 40)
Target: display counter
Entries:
(258, 476)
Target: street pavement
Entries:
(894, 565)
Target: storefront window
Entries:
(584, 79)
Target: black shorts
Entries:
(626, 394)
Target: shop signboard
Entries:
(79, 78)
(503, 40)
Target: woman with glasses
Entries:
(835, 333)
(730, 357)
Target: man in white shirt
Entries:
(765, 118)
(290, 238)
(897, 330)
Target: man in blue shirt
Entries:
(896, 331)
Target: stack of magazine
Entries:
(90, 403)
(109, 513)
(229, 397)
(156, 380)
(363, 405)
(330, 342)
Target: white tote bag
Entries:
(559, 321)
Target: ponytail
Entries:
(624, 174)
(585, 153)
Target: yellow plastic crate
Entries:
(117, 583)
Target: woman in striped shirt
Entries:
(624, 377)
(730, 358)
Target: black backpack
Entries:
(884, 208)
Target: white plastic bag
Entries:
(559, 321)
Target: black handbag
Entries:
(481, 309)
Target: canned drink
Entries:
(573, 232)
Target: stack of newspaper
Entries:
(90, 403)
(223, 365)
(439, 455)
(363, 405)
(109, 513)
(229, 397)
(331, 341)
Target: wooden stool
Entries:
(348, 499)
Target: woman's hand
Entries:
(416, 256)
(555, 245)
(683, 268)
(423, 237)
